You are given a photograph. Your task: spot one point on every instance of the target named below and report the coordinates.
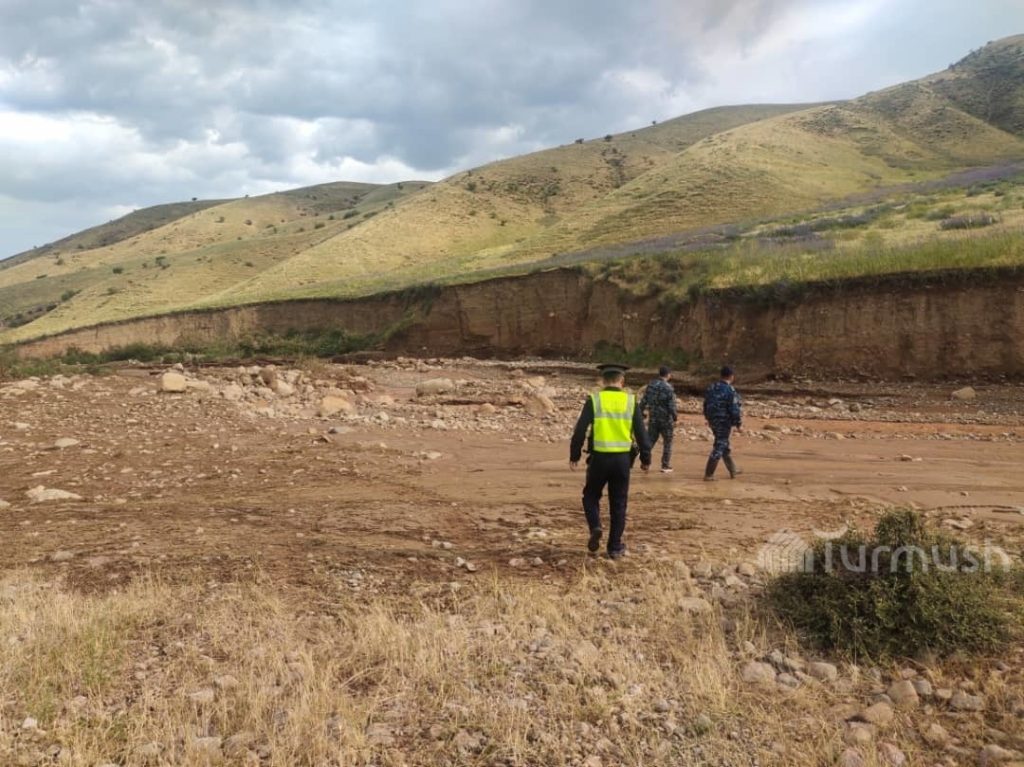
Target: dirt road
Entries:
(450, 485)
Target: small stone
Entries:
(30, 724)
(756, 672)
(694, 605)
(880, 714)
(890, 755)
(923, 687)
(903, 694)
(824, 672)
(42, 494)
(851, 757)
(935, 735)
(966, 394)
(995, 754)
(62, 556)
(65, 442)
(859, 734)
(962, 701)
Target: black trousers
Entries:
(611, 469)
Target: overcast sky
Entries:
(110, 105)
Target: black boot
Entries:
(709, 470)
(594, 542)
(730, 464)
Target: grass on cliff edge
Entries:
(682, 276)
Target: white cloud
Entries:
(113, 103)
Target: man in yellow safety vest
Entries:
(616, 425)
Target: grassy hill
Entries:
(153, 261)
(740, 166)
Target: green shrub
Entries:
(903, 591)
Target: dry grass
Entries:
(499, 673)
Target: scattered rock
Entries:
(173, 382)
(935, 735)
(42, 494)
(824, 672)
(851, 757)
(694, 605)
(62, 556)
(434, 386)
(65, 442)
(232, 392)
(538, 405)
(890, 755)
(995, 754)
(334, 404)
(903, 694)
(880, 714)
(962, 701)
(756, 672)
(859, 734)
(966, 394)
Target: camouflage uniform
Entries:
(723, 412)
(659, 402)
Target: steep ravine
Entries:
(926, 325)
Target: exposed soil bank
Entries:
(927, 325)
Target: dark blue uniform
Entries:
(723, 412)
(659, 402)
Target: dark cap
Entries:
(727, 371)
(664, 370)
(610, 368)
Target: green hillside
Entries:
(741, 166)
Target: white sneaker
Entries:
(666, 471)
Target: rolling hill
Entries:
(730, 165)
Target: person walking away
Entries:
(723, 412)
(659, 404)
(615, 424)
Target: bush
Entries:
(118, 270)
(970, 221)
(927, 593)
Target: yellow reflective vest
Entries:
(613, 421)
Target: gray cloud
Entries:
(144, 102)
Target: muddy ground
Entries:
(240, 476)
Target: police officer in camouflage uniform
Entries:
(659, 403)
(615, 425)
(723, 412)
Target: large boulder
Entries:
(334, 404)
(434, 386)
(538, 405)
(173, 382)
